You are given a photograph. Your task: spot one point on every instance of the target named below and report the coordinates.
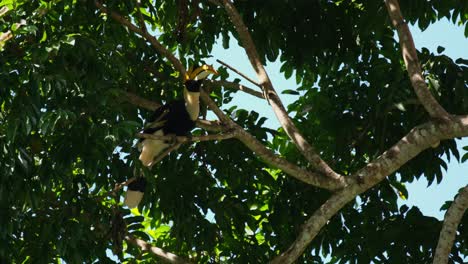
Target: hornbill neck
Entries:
(192, 103)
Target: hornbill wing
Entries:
(150, 148)
(159, 116)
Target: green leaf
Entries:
(291, 92)
(464, 157)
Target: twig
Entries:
(235, 86)
(154, 42)
(167, 256)
(413, 66)
(452, 219)
(166, 152)
(240, 73)
(119, 186)
(273, 99)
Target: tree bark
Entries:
(452, 219)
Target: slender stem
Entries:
(240, 73)
(166, 152)
(413, 66)
(235, 86)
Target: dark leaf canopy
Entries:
(67, 131)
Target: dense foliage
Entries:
(67, 132)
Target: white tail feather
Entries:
(133, 198)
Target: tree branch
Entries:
(141, 20)
(413, 66)
(273, 99)
(417, 140)
(213, 126)
(162, 254)
(335, 182)
(154, 42)
(235, 86)
(218, 112)
(240, 73)
(166, 152)
(140, 101)
(270, 157)
(452, 219)
(181, 139)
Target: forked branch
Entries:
(271, 158)
(412, 64)
(417, 140)
(273, 99)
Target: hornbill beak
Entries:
(203, 70)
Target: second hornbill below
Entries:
(175, 118)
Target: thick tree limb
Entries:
(452, 219)
(164, 255)
(271, 158)
(273, 99)
(417, 140)
(154, 42)
(413, 66)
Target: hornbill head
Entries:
(195, 75)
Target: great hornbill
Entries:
(176, 118)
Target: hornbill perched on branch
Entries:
(176, 118)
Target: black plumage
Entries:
(175, 118)
(172, 118)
